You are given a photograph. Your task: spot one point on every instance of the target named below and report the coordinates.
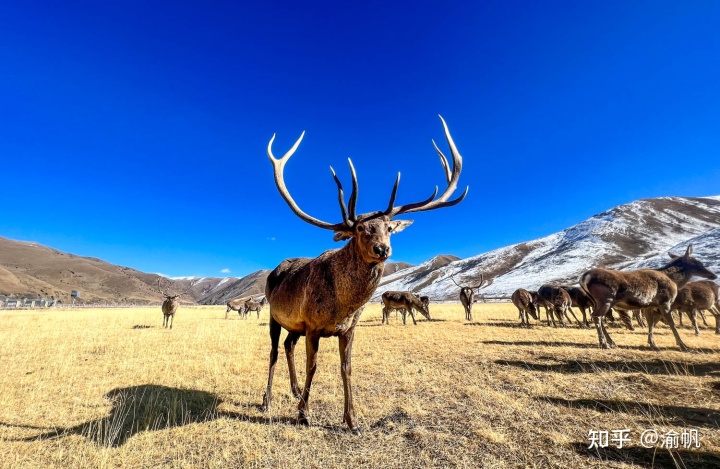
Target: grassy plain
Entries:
(112, 388)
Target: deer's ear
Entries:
(343, 235)
(688, 252)
(673, 256)
(396, 226)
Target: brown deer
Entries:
(170, 305)
(325, 296)
(558, 301)
(580, 300)
(405, 302)
(693, 298)
(425, 300)
(252, 305)
(237, 304)
(522, 299)
(653, 291)
(467, 295)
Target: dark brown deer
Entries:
(653, 291)
(522, 299)
(170, 305)
(715, 309)
(325, 296)
(539, 302)
(580, 300)
(252, 305)
(693, 298)
(467, 295)
(425, 300)
(558, 301)
(405, 302)
(237, 304)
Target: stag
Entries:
(653, 291)
(325, 296)
(693, 298)
(467, 295)
(170, 305)
(405, 302)
(523, 301)
(237, 304)
(252, 305)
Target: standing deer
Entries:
(325, 296)
(580, 300)
(467, 295)
(257, 306)
(558, 301)
(403, 301)
(237, 304)
(170, 305)
(693, 298)
(522, 299)
(651, 290)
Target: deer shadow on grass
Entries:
(152, 407)
(674, 415)
(137, 409)
(539, 343)
(651, 367)
(658, 458)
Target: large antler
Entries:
(452, 181)
(349, 214)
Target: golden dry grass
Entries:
(111, 388)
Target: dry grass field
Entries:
(112, 388)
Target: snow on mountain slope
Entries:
(616, 238)
(706, 248)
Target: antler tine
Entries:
(488, 283)
(278, 167)
(482, 279)
(354, 193)
(453, 279)
(452, 180)
(341, 196)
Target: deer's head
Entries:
(371, 231)
(691, 265)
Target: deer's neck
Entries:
(677, 274)
(355, 278)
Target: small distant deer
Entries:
(559, 302)
(467, 295)
(693, 298)
(522, 299)
(653, 291)
(237, 304)
(252, 305)
(404, 301)
(170, 305)
(325, 296)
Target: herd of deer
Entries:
(325, 296)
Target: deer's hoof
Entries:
(302, 420)
(296, 393)
(357, 431)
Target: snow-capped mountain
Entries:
(633, 235)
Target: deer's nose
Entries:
(382, 250)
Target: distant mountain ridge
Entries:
(634, 235)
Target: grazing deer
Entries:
(580, 300)
(237, 304)
(325, 296)
(467, 295)
(693, 298)
(523, 301)
(653, 291)
(405, 302)
(257, 306)
(539, 302)
(558, 301)
(425, 300)
(170, 305)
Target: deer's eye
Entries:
(360, 228)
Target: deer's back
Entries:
(632, 289)
(695, 295)
(521, 298)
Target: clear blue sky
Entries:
(136, 132)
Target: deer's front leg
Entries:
(312, 343)
(346, 343)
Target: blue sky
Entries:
(136, 132)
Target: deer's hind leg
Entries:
(569, 309)
(289, 344)
(665, 310)
(312, 344)
(274, 342)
